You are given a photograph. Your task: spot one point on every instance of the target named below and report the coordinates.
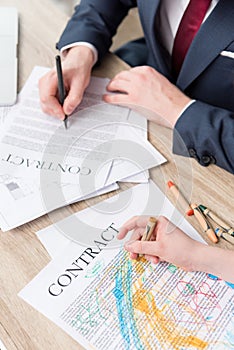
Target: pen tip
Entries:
(65, 121)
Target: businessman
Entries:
(184, 78)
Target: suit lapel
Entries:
(213, 37)
(149, 10)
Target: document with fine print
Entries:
(105, 300)
(43, 163)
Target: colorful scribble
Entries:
(96, 269)
(133, 295)
(138, 300)
(172, 268)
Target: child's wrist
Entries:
(201, 258)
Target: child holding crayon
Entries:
(169, 243)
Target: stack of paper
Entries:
(44, 166)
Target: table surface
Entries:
(22, 255)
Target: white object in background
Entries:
(8, 56)
(2, 347)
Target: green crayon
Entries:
(223, 225)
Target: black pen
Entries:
(61, 89)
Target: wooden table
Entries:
(22, 256)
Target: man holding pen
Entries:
(183, 81)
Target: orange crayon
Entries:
(183, 203)
(204, 224)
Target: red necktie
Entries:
(189, 25)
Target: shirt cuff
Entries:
(187, 106)
(82, 43)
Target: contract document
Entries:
(35, 144)
(104, 300)
(44, 164)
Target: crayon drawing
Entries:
(145, 306)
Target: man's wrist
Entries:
(65, 49)
(179, 107)
(186, 107)
(80, 55)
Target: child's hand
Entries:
(168, 243)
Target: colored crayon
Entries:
(206, 227)
(217, 220)
(183, 203)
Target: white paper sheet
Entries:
(144, 199)
(2, 347)
(34, 143)
(119, 167)
(133, 118)
(129, 166)
(104, 300)
(18, 191)
(3, 113)
(23, 200)
(29, 174)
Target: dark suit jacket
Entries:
(205, 130)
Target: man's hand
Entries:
(149, 93)
(76, 66)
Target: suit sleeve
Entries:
(206, 133)
(96, 22)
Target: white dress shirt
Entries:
(171, 12)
